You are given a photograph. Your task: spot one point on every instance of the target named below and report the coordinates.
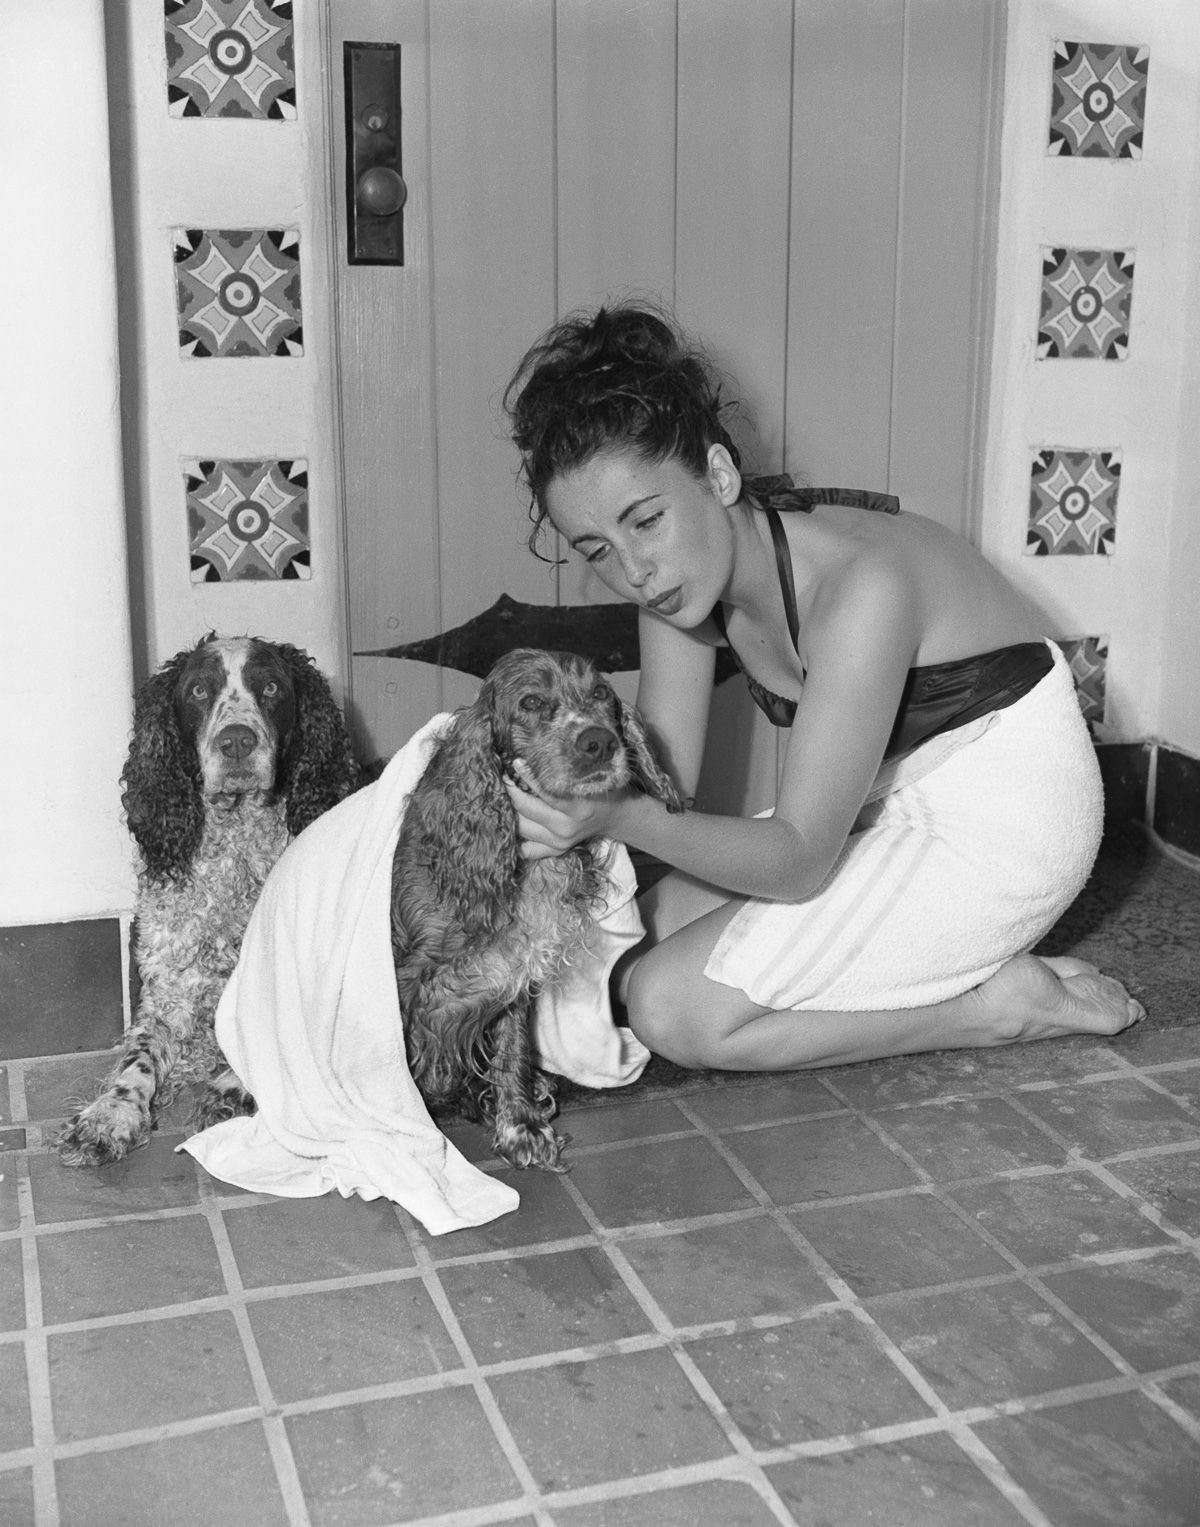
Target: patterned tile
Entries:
(231, 58)
(1085, 304)
(1088, 657)
(1073, 502)
(238, 292)
(1098, 100)
(247, 520)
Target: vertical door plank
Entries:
(733, 148)
(385, 390)
(616, 173)
(950, 92)
(492, 212)
(845, 163)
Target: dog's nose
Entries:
(235, 742)
(596, 745)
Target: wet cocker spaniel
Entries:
(237, 746)
(477, 930)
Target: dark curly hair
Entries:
(622, 377)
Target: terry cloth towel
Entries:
(969, 850)
(310, 1021)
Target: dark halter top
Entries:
(936, 698)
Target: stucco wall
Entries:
(1141, 597)
(64, 851)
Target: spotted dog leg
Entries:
(522, 1097)
(122, 1117)
(223, 1098)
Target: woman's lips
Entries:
(669, 603)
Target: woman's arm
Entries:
(861, 636)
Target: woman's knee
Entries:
(664, 1018)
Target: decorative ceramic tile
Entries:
(1086, 298)
(238, 291)
(247, 520)
(1088, 657)
(230, 58)
(1098, 103)
(1073, 502)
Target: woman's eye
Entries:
(651, 519)
(270, 688)
(596, 555)
(531, 703)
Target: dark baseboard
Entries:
(60, 988)
(1154, 784)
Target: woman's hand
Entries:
(550, 827)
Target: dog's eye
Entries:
(199, 692)
(270, 688)
(532, 703)
(602, 692)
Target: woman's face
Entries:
(654, 533)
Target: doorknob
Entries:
(375, 189)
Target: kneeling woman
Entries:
(940, 805)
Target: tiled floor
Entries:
(952, 1291)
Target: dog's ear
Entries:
(318, 768)
(161, 782)
(648, 773)
(469, 822)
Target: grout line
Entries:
(37, 1366)
(282, 1458)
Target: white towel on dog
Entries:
(310, 1021)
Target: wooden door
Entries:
(806, 182)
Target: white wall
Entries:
(1143, 596)
(211, 173)
(64, 851)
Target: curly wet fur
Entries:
(203, 856)
(477, 930)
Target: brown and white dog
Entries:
(477, 930)
(237, 746)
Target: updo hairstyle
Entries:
(623, 379)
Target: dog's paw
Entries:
(525, 1145)
(105, 1131)
(219, 1102)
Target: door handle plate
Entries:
(375, 189)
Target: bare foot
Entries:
(1044, 998)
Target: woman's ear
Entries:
(724, 475)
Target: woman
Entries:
(940, 804)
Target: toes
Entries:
(1064, 965)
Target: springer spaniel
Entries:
(477, 930)
(237, 746)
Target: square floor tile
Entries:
(725, 1272)
(1110, 1462)
(550, 1303)
(662, 1180)
(1185, 1392)
(546, 1213)
(977, 1346)
(348, 1338)
(1105, 1118)
(1183, 1083)
(124, 1377)
(12, 1287)
(611, 1418)
(715, 1503)
(16, 1429)
(910, 1241)
(973, 1138)
(1148, 1309)
(155, 1177)
(10, 1207)
(1054, 1218)
(394, 1460)
(964, 1073)
(132, 1265)
(621, 1121)
(54, 1088)
(16, 1497)
(819, 1158)
(817, 1378)
(921, 1482)
(303, 1240)
(5, 1105)
(788, 1098)
(1171, 1182)
(222, 1476)
(60, 986)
